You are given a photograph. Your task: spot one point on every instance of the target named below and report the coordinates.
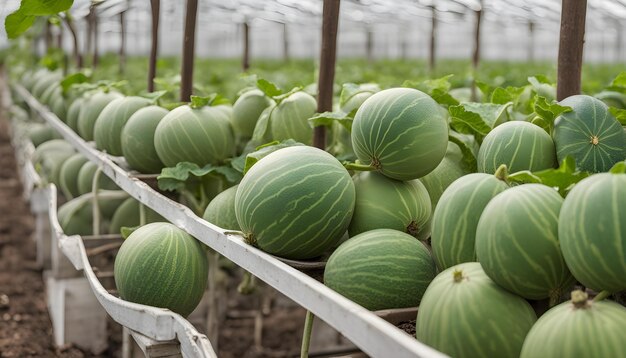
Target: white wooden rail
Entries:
(372, 334)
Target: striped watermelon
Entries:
(138, 140)
(50, 156)
(381, 269)
(111, 121)
(456, 217)
(517, 242)
(590, 134)
(160, 265)
(520, 145)
(90, 110)
(247, 110)
(221, 210)
(383, 203)
(68, 176)
(128, 215)
(290, 118)
(76, 215)
(465, 314)
(85, 179)
(73, 112)
(296, 202)
(437, 181)
(201, 136)
(402, 132)
(578, 328)
(592, 231)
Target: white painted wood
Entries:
(369, 332)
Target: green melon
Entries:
(201, 136)
(289, 120)
(612, 99)
(128, 215)
(517, 242)
(76, 215)
(247, 110)
(456, 217)
(90, 110)
(381, 269)
(160, 265)
(465, 314)
(68, 176)
(401, 132)
(50, 156)
(39, 133)
(590, 134)
(519, 145)
(49, 94)
(46, 81)
(578, 328)
(85, 179)
(138, 140)
(296, 202)
(221, 210)
(383, 203)
(73, 112)
(592, 231)
(111, 121)
(58, 106)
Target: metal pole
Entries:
(186, 83)
(285, 43)
(246, 47)
(476, 55)
(155, 7)
(330, 24)
(433, 31)
(531, 41)
(571, 45)
(122, 43)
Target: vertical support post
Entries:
(245, 63)
(571, 43)
(285, 43)
(531, 41)
(330, 24)
(89, 37)
(77, 55)
(476, 55)
(122, 43)
(433, 33)
(189, 40)
(155, 7)
(96, 55)
(48, 35)
(369, 45)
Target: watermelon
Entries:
(138, 140)
(59, 107)
(383, 203)
(111, 121)
(381, 269)
(68, 176)
(247, 110)
(76, 215)
(592, 231)
(46, 81)
(160, 265)
(612, 98)
(221, 210)
(197, 135)
(50, 156)
(578, 328)
(465, 314)
(90, 110)
(128, 215)
(401, 132)
(39, 133)
(289, 119)
(590, 134)
(456, 216)
(519, 145)
(296, 202)
(85, 179)
(517, 242)
(73, 113)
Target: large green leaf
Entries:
(45, 7)
(562, 178)
(477, 119)
(17, 23)
(265, 150)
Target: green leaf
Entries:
(620, 80)
(539, 79)
(260, 134)
(562, 178)
(477, 119)
(265, 150)
(618, 168)
(436, 88)
(281, 97)
(126, 231)
(214, 99)
(620, 114)
(549, 111)
(269, 88)
(504, 95)
(45, 7)
(468, 149)
(327, 119)
(485, 88)
(349, 90)
(17, 23)
(73, 79)
(176, 178)
(154, 96)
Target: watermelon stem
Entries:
(249, 239)
(359, 167)
(602, 295)
(502, 173)
(579, 299)
(457, 275)
(306, 335)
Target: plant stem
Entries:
(602, 295)
(95, 208)
(306, 335)
(142, 214)
(359, 167)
